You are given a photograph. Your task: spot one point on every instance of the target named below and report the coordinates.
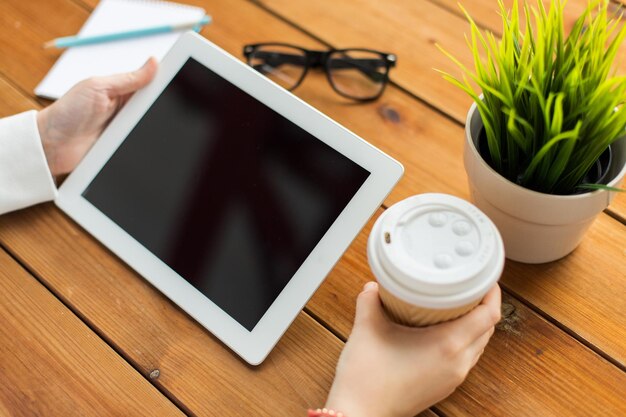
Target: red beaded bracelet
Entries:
(325, 412)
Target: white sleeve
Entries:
(24, 175)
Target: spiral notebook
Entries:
(110, 16)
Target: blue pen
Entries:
(68, 41)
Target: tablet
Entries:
(226, 192)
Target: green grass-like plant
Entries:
(552, 104)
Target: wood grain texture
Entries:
(51, 364)
(25, 26)
(12, 101)
(153, 334)
(79, 269)
(530, 367)
(411, 29)
(425, 141)
(595, 308)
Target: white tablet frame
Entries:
(253, 346)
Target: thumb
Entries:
(369, 309)
(122, 84)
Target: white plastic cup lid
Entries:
(436, 250)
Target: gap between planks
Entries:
(31, 98)
(120, 352)
(82, 5)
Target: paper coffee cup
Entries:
(435, 256)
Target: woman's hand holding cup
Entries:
(390, 370)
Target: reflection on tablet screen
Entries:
(227, 192)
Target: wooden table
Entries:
(82, 334)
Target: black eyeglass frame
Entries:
(320, 59)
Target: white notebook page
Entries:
(110, 16)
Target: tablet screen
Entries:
(228, 193)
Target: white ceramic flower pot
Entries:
(535, 227)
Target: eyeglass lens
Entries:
(357, 74)
(284, 65)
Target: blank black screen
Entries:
(227, 192)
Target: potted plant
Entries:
(545, 145)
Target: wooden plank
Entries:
(416, 29)
(25, 25)
(12, 101)
(530, 368)
(53, 364)
(563, 290)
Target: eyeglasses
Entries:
(359, 74)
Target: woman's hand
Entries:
(70, 126)
(390, 370)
